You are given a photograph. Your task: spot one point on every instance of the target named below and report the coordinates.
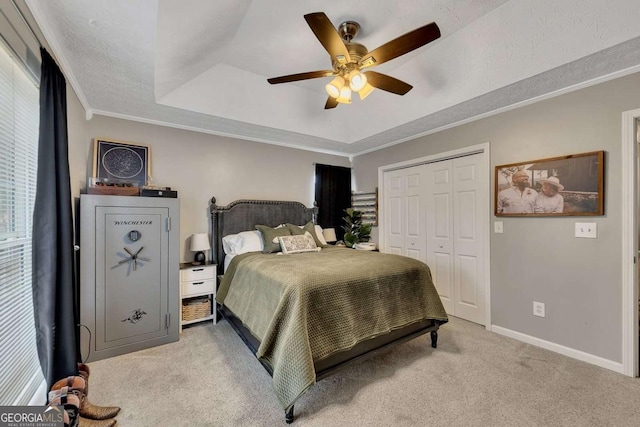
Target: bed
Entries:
(306, 315)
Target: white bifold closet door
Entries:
(454, 239)
(405, 220)
(434, 213)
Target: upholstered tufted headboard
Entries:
(243, 215)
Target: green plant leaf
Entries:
(354, 230)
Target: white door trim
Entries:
(629, 244)
(486, 211)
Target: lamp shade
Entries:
(200, 242)
(329, 234)
(365, 91)
(357, 80)
(345, 95)
(335, 86)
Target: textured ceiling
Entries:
(202, 65)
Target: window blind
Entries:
(20, 373)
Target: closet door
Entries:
(439, 215)
(405, 228)
(455, 204)
(469, 215)
(393, 207)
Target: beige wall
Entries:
(199, 166)
(539, 259)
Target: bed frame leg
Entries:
(434, 339)
(288, 415)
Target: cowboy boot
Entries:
(83, 371)
(70, 403)
(66, 420)
(73, 405)
(77, 386)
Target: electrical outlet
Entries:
(538, 309)
(497, 227)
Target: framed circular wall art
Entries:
(121, 162)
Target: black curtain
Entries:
(53, 254)
(333, 195)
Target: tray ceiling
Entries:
(203, 65)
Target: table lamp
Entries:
(199, 243)
(329, 235)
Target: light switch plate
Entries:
(588, 230)
(497, 227)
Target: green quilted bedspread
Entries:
(307, 306)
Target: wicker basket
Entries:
(196, 308)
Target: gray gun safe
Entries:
(129, 274)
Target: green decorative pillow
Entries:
(295, 229)
(308, 227)
(270, 237)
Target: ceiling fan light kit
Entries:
(337, 88)
(349, 58)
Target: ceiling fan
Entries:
(349, 58)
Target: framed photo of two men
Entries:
(559, 186)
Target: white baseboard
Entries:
(557, 348)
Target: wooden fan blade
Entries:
(331, 103)
(327, 35)
(401, 45)
(301, 76)
(387, 83)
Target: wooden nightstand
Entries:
(197, 293)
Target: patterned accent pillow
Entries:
(297, 244)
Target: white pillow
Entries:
(246, 241)
(250, 241)
(320, 235)
(297, 244)
(230, 244)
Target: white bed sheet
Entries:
(227, 261)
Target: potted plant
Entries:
(354, 230)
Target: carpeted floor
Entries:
(473, 378)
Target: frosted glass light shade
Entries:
(365, 91)
(200, 242)
(329, 234)
(335, 86)
(357, 80)
(345, 95)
